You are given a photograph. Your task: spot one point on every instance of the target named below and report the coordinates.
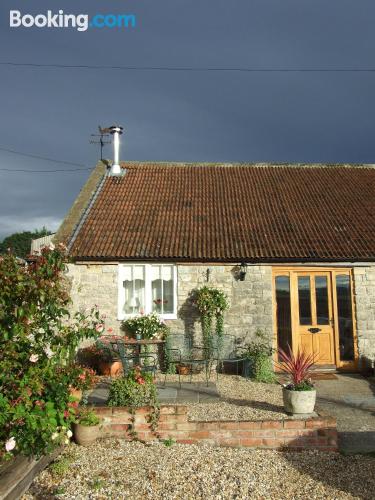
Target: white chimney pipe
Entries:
(116, 170)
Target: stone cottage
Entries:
(293, 247)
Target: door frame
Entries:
(333, 271)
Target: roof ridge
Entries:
(162, 164)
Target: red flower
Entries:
(141, 380)
(66, 413)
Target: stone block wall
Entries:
(364, 297)
(250, 300)
(95, 284)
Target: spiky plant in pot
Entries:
(299, 394)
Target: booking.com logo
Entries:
(81, 22)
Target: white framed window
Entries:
(146, 288)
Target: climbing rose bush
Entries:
(38, 340)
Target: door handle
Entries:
(315, 330)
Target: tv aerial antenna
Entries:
(103, 134)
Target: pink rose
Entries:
(99, 328)
(10, 444)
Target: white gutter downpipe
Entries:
(116, 169)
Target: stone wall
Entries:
(95, 284)
(364, 296)
(250, 300)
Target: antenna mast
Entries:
(103, 133)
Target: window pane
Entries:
(162, 289)
(344, 309)
(168, 289)
(284, 323)
(321, 295)
(304, 300)
(134, 286)
(157, 290)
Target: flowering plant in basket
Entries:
(148, 326)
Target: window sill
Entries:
(161, 316)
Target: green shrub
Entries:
(263, 369)
(260, 352)
(38, 339)
(135, 390)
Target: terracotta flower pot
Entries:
(112, 369)
(297, 402)
(76, 393)
(85, 434)
(183, 369)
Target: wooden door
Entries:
(314, 331)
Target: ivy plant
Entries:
(211, 304)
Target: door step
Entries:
(325, 369)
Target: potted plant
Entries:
(146, 326)
(86, 427)
(101, 356)
(108, 360)
(299, 395)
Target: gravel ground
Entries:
(116, 469)
(242, 399)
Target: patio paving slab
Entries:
(171, 393)
(351, 399)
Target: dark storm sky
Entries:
(304, 117)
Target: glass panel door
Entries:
(345, 317)
(304, 300)
(314, 331)
(314, 312)
(321, 297)
(283, 312)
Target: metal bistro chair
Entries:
(189, 355)
(228, 352)
(147, 361)
(200, 356)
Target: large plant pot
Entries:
(110, 368)
(297, 402)
(84, 434)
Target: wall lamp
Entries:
(243, 271)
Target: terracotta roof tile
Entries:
(232, 213)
